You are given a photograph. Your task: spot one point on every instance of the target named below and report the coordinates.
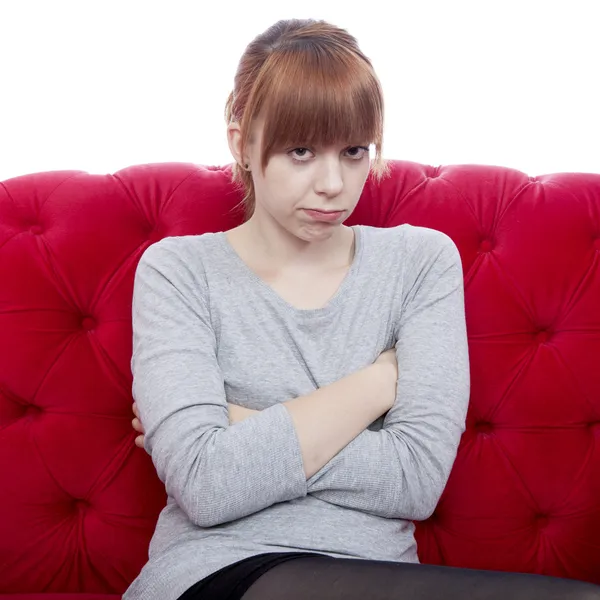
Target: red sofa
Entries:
(78, 501)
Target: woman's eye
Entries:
(300, 153)
(357, 152)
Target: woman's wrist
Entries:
(238, 413)
(385, 379)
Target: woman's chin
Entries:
(317, 232)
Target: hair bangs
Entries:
(320, 100)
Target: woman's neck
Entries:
(267, 243)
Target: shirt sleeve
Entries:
(401, 470)
(215, 471)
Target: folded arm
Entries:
(217, 471)
(401, 470)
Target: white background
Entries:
(99, 86)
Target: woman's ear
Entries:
(234, 139)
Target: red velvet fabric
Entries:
(78, 501)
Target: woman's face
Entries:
(327, 181)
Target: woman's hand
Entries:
(137, 425)
(236, 414)
(389, 365)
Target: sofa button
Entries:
(484, 427)
(35, 229)
(542, 336)
(88, 323)
(542, 521)
(485, 246)
(32, 411)
(597, 244)
(80, 506)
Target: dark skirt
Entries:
(232, 582)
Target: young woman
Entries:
(302, 384)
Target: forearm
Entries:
(328, 419)
(401, 470)
(215, 471)
(389, 473)
(313, 426)
(227, 472)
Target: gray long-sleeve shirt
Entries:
(208, 331)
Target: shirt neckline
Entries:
(332, 304)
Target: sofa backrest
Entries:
(78, 501)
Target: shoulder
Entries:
(434, 266)
(177, 253)
(174, 248)
(413, 243)
(174, 264)
(430, 245)
(425, 260)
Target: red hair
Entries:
(313, 86)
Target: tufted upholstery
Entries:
(78, 501)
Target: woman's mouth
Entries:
(325, 216)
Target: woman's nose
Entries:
(329, 179)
